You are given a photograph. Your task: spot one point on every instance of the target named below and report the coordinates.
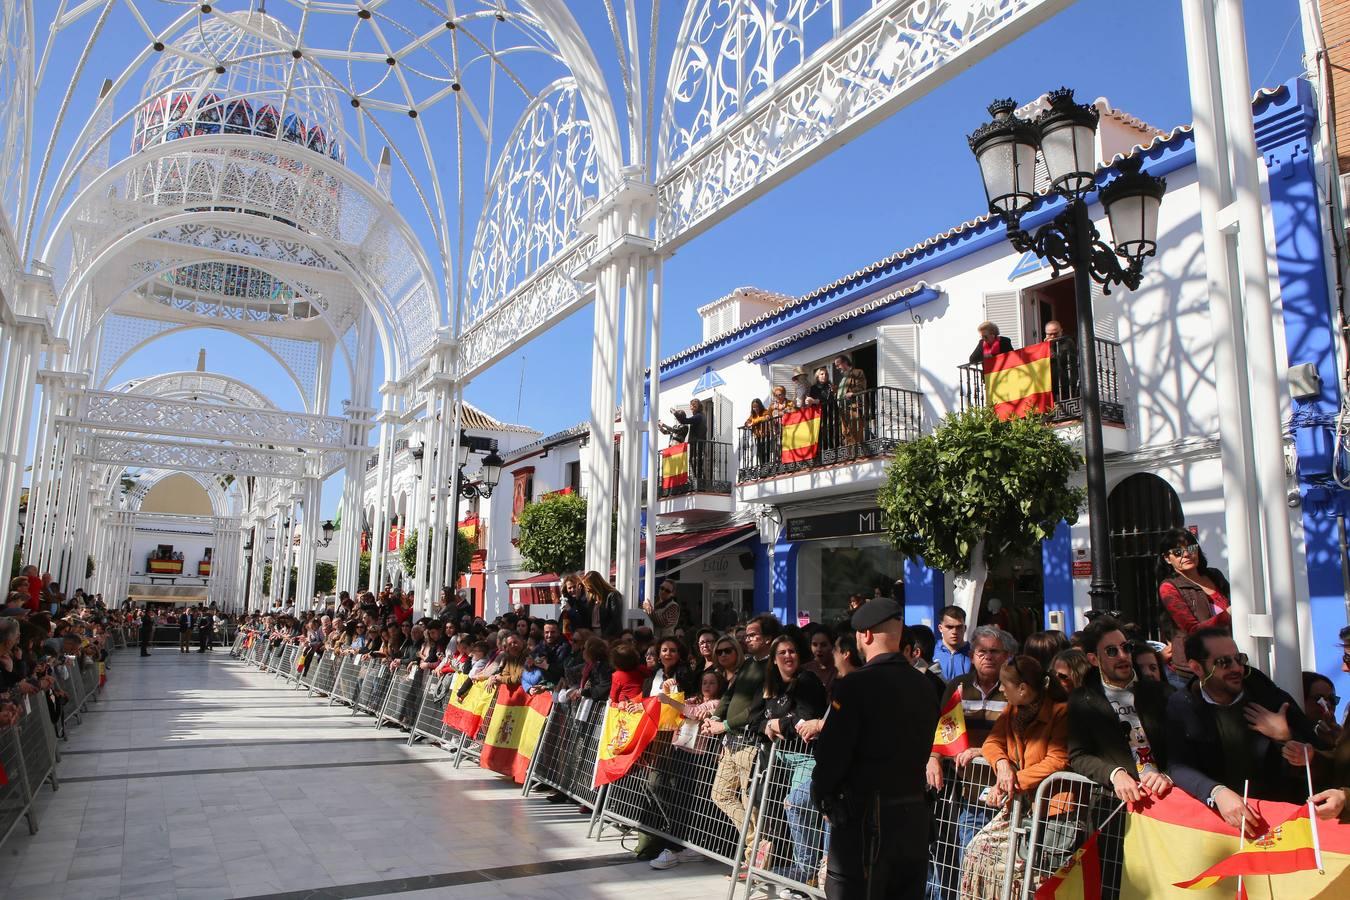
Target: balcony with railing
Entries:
(707, 491)
(1067, 398)
(860, 432)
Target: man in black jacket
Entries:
(1228, 729)
(869, 773)
(1118, 721)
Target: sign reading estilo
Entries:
(841, 524)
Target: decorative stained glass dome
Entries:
(256, 86)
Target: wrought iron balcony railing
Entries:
(872, 423)
(1068, 402)
(710, 464)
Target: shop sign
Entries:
(842, 524)
(1082, 568)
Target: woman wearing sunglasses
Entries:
(1193, 594)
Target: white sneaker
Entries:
(666, 859)
(688, 856)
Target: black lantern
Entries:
(462, 456)
(1067, 134)
(1132, 201)
(1006, 151)
(491, 473)
(327, 532)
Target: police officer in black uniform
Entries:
(869, 773)
(147, 629)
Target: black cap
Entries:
(876, 611)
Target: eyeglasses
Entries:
(726, 651)
(1187, 550)
(1114, 650)
(1224, 662)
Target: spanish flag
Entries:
(801, 434)
(466, 715)
(675, 466)
(531, 731)
(504, 731)
(1078, 879)
(623, 738)
(671, 715)
(1168, 839)
(1288, 847)
(1018, 382)
(951, 736)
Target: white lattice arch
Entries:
(211, 387)
(148, 478)
(407, 321)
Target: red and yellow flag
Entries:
(4, 776)
(1168, 840)
(672, 716)
(1078, 879)
(501, 744)
(531, 732)
(951, 736)
(801, 434)
(1286, 848)
(1019, 382)
(466, 715)
(675, 466)
(623, 738)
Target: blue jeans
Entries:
(803, 820)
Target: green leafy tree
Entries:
(325, 577)
(464, 551)
(267, 580)
(978, 490)
(363, 571)
(89, 567)
(553, 533)
(16, 562)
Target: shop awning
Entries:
(668, 545)
(544, 580)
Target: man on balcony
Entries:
(850, 395)
(693, 428)
(1063, 362)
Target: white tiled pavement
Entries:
(196, 776)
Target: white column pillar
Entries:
(20, 382)
(630, 458)
(600, 450)
(653, 445)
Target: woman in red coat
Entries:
(1193, 594)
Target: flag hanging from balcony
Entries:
(801, 434)
(1017, 383)
(675, 466)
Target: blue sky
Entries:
(907, 178)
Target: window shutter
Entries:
(780, 375)
(1106, 313)
(898, 356)
(723, 420)
(1004, 309)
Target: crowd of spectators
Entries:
(41, 630)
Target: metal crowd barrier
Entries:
(565, 758)
(959, 816)
(290, 654)
(790, 836)
(373, 688)
(430, 719)
(1066, 809)
(347, 679)
(238, 645)
(320, 673)
(71, 684)
(403, 698)
(471, 745)
(701, 797)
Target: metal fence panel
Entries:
(790, 836)
(39, 756)
(347, 680)
(15, 797)
(470, 746)
(403, 697)
(430, 719)
(1067, 808)
(565, 758)
(702, 798)
(324, 674)
(374, 687)
(73, 686)
(238, 645)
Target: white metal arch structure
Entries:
(236, 197)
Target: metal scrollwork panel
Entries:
(161, 415)
(182, 456)
(753, 89)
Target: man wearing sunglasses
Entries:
(1117, 721)
(1228, 729)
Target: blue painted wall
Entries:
(1284, 134)
(1057, 573)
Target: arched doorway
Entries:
(1142, 508)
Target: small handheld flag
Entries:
(951, 736)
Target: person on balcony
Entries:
(991, 343)
(801, 386)
(692, 427)
(851, 396)
(1063, 362)
(759, 425)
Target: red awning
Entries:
(535, 581)
(668, 545)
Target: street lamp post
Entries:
(1006, 149)
(488, 478)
